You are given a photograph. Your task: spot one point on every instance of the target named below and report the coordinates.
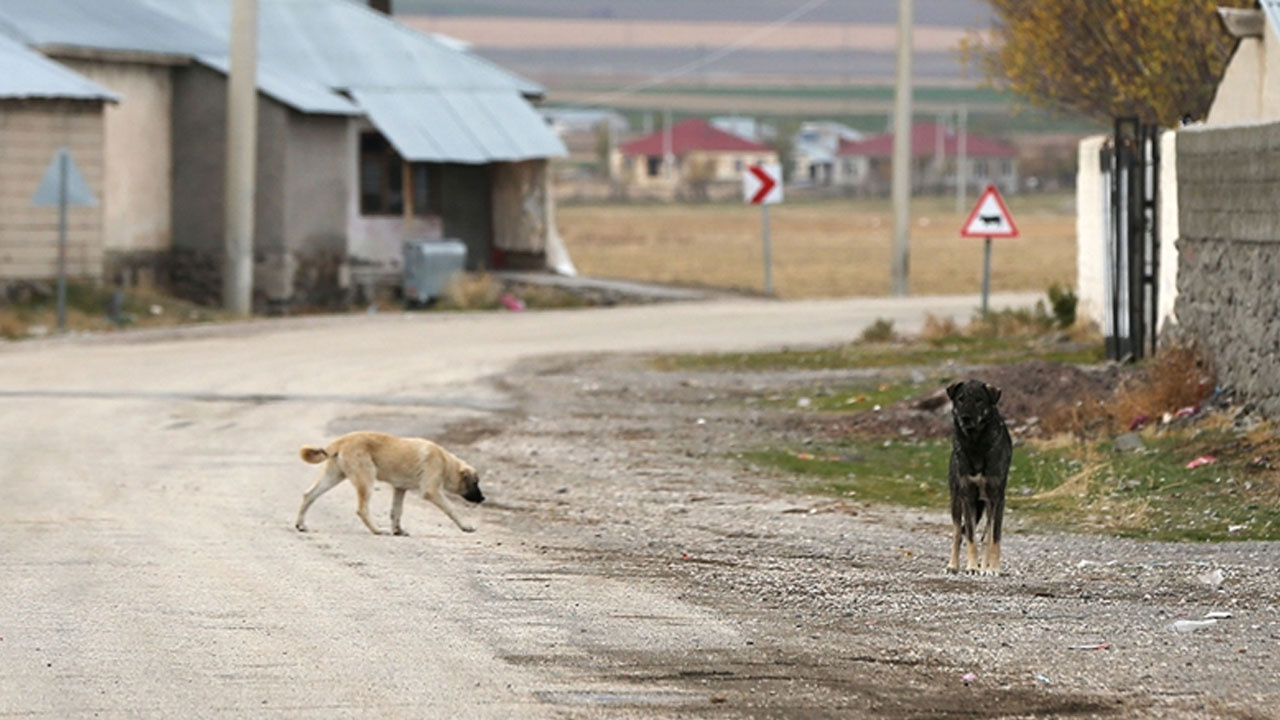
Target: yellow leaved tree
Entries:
(1157, 60)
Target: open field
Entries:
(826, 248)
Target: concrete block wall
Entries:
(1229, 254)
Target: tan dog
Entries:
(405, 463)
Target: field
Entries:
(828, 248)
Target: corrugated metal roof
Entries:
(123, 25)
(25, 73)
(298, 93)
(344, 45)
(475, 126)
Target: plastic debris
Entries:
(1096, 646)
(512, 303)
(1201, 461)
(1217, 615)
(1139, 422)
(1190, 626)
(702, 421)
(1213, 578)
(804, 402)
(1187, 411)
(1042, 678)
(968, 678)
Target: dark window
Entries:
(382, 190)
(655, 166)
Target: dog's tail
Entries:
(313, 455)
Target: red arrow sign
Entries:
(766, 184)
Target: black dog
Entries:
(980, 455)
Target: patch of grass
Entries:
(1072, 485)
(912, 474)
(855, 396)
(87, 310)
(960, 349)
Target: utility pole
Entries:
(242, 150)
(668, 153)
(902, 155)
(962, 156)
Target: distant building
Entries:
(568, 121)
(745, 127)
(866, 165)
(694, 159)
(813, 154)
(44, 106)
(369, 134)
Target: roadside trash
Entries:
(1042, 678)
(156, 310)
(1261, 462)
(1139, 422)
(1213, 578)
(1128, 442)
(804, 456)
(1187, 411)
(702, 421)
(1236, 528)
(512, 303)
(968, 678)
(1217, 615)
(804, 402)
(684, 556)
(1190, 626)
(1098, 646)
(1166, 418)
(1201, 461)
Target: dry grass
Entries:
(829, 248)
(1175, 378)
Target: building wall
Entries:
(521, 221)
(30, 134)
(199, 185)
(1239, 95)
(1229, 254)
(318, 176)
(137, 226)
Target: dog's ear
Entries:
(993, 392)
(953, 388)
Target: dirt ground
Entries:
(618, 471)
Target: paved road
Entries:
(150, 568)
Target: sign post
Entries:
(62, 186)
(990, 218)
(762, 185)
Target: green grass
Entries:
(1147, 495)
(968, 350)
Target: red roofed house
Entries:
(866, 165)
(694, 160)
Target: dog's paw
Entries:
(467, 528)
(989, 572)
(952, 569)
(400, 532)
(300, 527)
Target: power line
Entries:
(720, 54)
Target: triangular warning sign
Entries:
(78, 192)
(990, 217)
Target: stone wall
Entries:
(1229, 255)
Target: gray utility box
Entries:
(428, 265)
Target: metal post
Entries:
(962, 156)
(768, 250)
(63, 158)
(902, 154)
(986, 274)
(242, 145)
(668, 159)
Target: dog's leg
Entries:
(330, 476)
(991, 563)
(954, 565)
(362, 473)
(397, 507)
(435, 497)
(970, 526)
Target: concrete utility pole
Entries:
(242, 151)
(962, 156)
(902, 154)
(668, 155)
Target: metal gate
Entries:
(1131, 163)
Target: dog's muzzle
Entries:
(474, 495)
